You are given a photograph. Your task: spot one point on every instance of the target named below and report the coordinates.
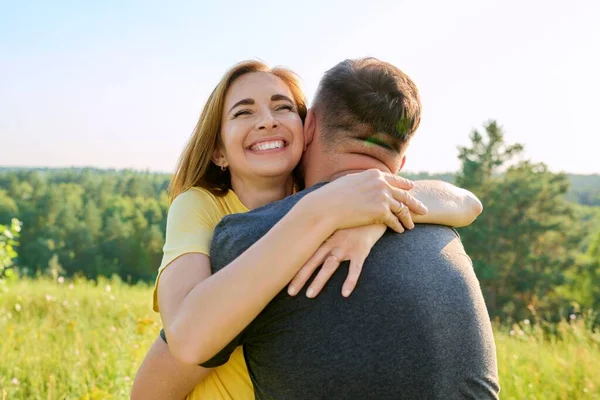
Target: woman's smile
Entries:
(269, 145)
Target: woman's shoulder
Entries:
(195, 196)
(202, 200)
(195, 200)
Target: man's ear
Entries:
(402, 163)
(218, 157)
(310, 126)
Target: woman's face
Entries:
(261, 131)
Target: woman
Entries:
(242, 155)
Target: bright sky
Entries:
(120, 84)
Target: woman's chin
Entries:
(274, 171)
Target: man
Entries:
(416, 325)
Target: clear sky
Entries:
(120, 84)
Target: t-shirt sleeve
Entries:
(191, 221)
(220, 358)
(223, 356)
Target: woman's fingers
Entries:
(331, 264)
(391, 219)
(404, 216)
(307, 270)
(399, 182)
(409, 200)
(354, 271)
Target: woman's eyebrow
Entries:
(249, 102)
(277, 97)
(242, 103)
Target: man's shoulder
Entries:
(424, 238)
(235, 233)
(267, 212)
(431, 231)
(437, 230)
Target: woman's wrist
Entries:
(321, 210)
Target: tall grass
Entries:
(536, 362)
(75, 340)
(85, 340)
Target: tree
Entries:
(9, 235)
(584, 279)
(521, 246)
(8, 207)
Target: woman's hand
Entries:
(370, 197)
(352, 244)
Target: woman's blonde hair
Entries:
(195, 166)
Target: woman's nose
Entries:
(267, 121)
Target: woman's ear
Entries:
(219, 158)
(310, 126)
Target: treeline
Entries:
(535, 248)
(87, 221)
(583, 189)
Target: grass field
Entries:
(82, 340)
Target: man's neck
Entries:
(328, 177)
(257, 194)
(320, 165)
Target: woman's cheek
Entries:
(295, 125)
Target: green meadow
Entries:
(78, 339)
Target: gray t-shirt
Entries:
(415, 327)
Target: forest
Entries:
(535, 248)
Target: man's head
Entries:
(363, 116)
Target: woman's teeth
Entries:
(276, 144)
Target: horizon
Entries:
(402, 172)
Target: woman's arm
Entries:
(201, 318)
(446, 204)
(162, 377)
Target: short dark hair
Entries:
(369, 95)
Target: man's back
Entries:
(415, 327)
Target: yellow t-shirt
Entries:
(190, 224)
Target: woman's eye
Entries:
(285, 107)
(241, 112)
